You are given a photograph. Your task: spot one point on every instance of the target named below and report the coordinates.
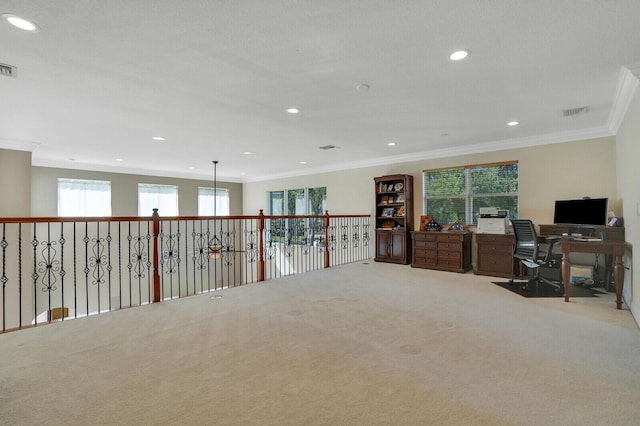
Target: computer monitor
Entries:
(586, 211)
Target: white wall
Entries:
(15, 186)
(628, 153)
(546, 173)
(124, 191)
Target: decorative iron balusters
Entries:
(200, 255)
(139, 259)
(73, 265)
(251, 245)
(332, 238)
(170, 259)
(48, 266)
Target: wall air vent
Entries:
(8, 70)
(328, 147)
(574, 112)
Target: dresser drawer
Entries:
(425, 236)
(453, 255)
(426, 254)
(453, 238)
(449, 263)
(456, 246)
(424, 244)
(496, 263)
(425, 261)
(498, 248)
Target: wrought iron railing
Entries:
(55, 269)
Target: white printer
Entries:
(493, 220)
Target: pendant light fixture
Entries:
(215, 245)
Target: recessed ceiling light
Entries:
(247, 153)
(191, 168)
(119, 160)
(303, 162)
(293, 110)
(158, 138)
(513, 123)
(363, 87)
(459, 54)
(391, 144)
(21, 23)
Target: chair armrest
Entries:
(551, 241)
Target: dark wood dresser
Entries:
(443, 250)
(494, 255)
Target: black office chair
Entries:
(527, 250)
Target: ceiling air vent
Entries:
(574, 112)
(328, 147)
(8, 70)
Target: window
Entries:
(458, 193)
(304, 201)
(297, 202)
(77, 197)
(206, 198)
(161, 197)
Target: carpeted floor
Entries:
(548, 291)
(361, 344)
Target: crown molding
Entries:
(625, 90)
(18, 145)
(548, 139)
(635, 69)
(56, 164)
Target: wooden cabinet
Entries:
(446, 251)
(391, 246)
(494, 255)
(394, 218)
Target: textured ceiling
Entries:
(215, 78)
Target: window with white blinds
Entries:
(161, 197)
(80, 197)
(206, 199)
(456, 194)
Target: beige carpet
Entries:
(360, 344)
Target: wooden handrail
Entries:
(156, 221)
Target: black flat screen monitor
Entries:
(587, 211)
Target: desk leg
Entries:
(618, 278)
(566, 274)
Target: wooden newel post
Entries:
(261, 246)
(326, 238)
(156, 274)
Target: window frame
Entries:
(64, 203)
(218, 209)
(468, 197)
(280, 226)
(156, 185)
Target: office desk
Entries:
(570, 244)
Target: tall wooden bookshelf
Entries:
(394, 218)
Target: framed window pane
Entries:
(317, 201)
(78, 197)
(206, 197)
(296, 203)
(161, 197)
(457, 194)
